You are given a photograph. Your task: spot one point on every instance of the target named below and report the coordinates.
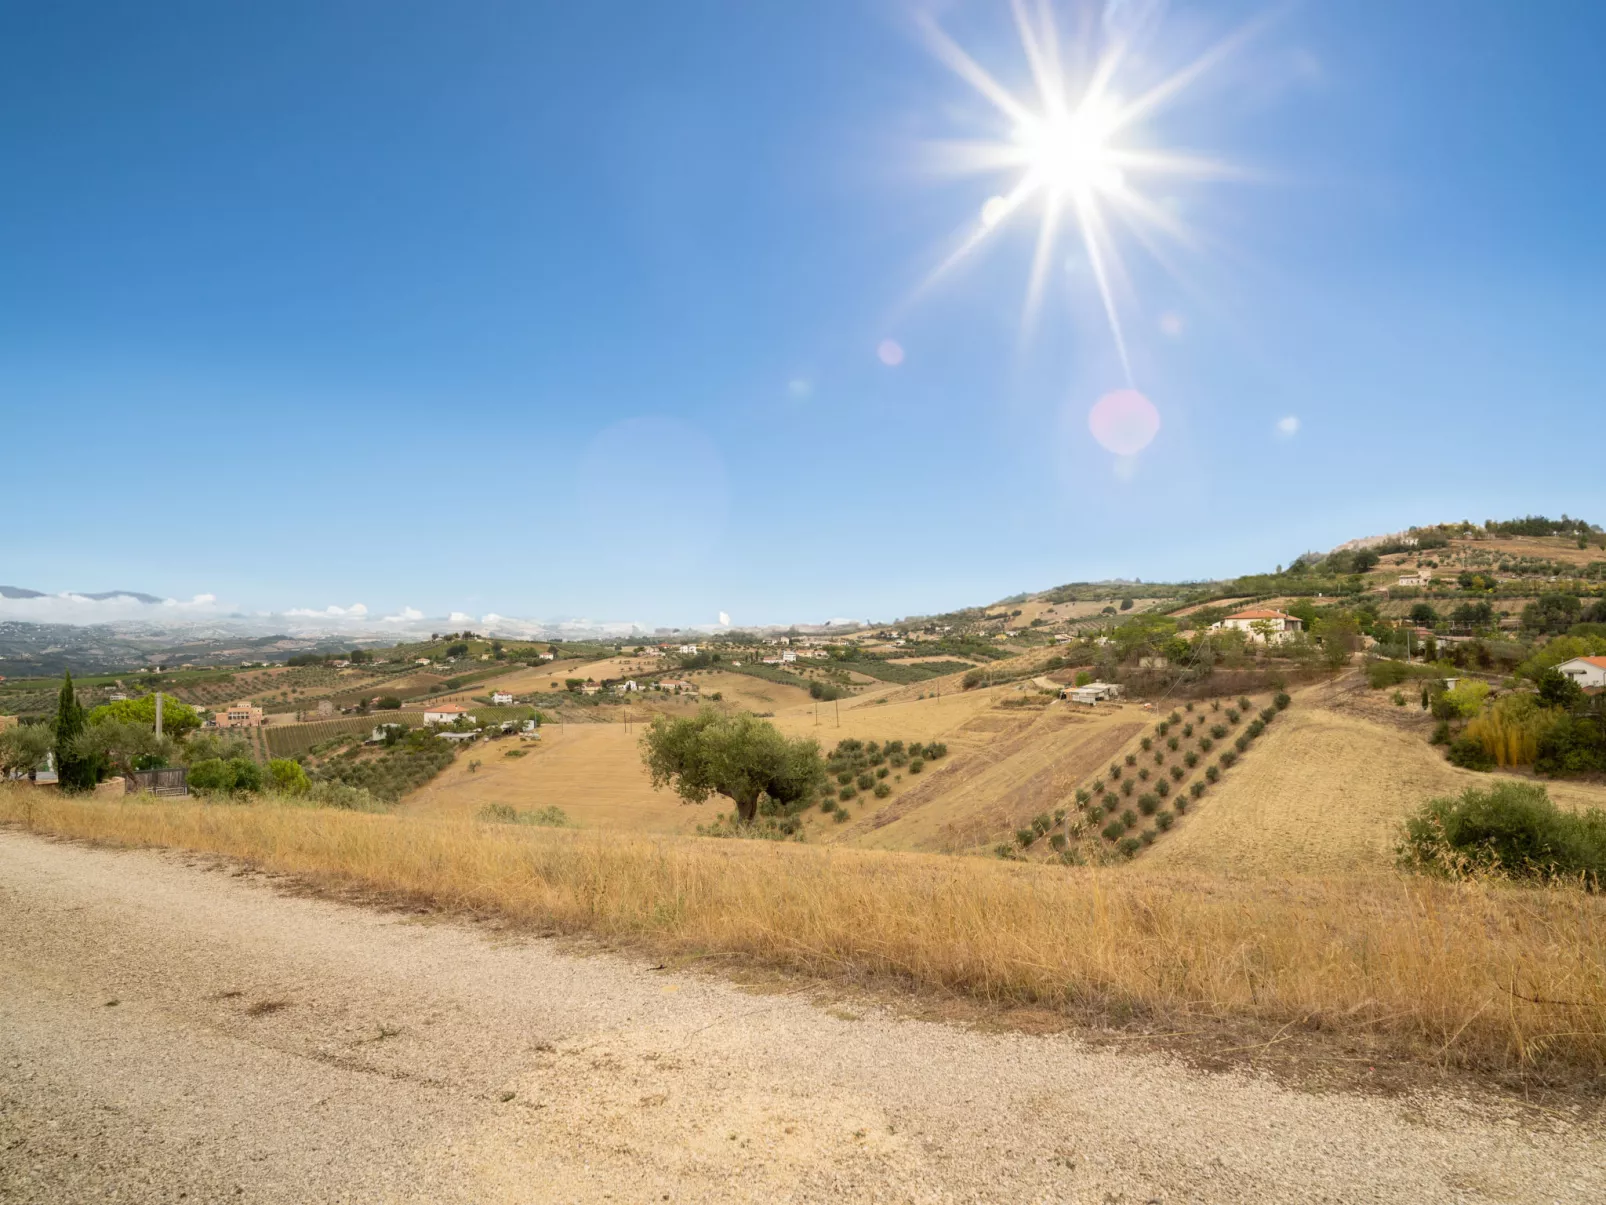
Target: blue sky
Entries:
(573, 310)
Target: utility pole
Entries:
(158, 714)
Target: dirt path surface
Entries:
(169, 1030)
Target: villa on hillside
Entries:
(501, 698)
(1422, 578)
(238, 715)
(1262, 624)
(1588, 672)
(446, 713)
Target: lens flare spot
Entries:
(890, 353)
(994, 211)
(1124, 422)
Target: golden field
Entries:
(1470, 974)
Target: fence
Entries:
(172, 781)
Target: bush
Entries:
(1215, 704)
(1162, 727)
(882, 790)
(1196, 790)
(882, 772)
(1129, 818)
(1242, 743)
(1143, 774)
(1206, 744)
(1572, 745)
(1126, 787)
(1159, 757)
(389, 703)
(1024, 837)
(827, 804)
(1041, 823)
(936, 749)
(1131, 759)
(1172, 744)
(1057, 841)
(1148, 804)
(1190, 759)
(1281, 700)
(1175, 717)
(1147, 744)
(288, 777)
(1228, 759)
(1109, 800)
(1212, 773)
(843, 815)
(1176, 773)
(1255, 728)
(916, 765)
(1130, 846)
(1511, 828)
(1441, 734)
(847, 792)
(1147, 836)
(1115, 771)
(1095, 814)
(236, 775)
(1113, 830)
(865, 781)
(1162, 788)
(1164, 821)
(1267, 715)
(1218, 731)
(1469, 754)
(1232, 715)
(844, 778)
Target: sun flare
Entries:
(1079, 154)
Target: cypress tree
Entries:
(75, 773)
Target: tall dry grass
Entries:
(1479, 975)
(1510, 729)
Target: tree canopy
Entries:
(178, 719)
(74, 771)
(739, 756)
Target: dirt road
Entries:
(172, 1031)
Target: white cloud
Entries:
(459, 617)
(724, 619)
(406, 615)
(73, 608)
(890, 352)
(1288, 427)
(355, 611)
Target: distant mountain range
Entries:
(103, 596)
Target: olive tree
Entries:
(739, 756)
(24, 747)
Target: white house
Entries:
(628, 686)
(688, 650)
(447, 713)
(1093, 692)
(1421, 578)
(548, 656)
(1262, 624)
(788, 657)
(501, 697)
(1588, 672)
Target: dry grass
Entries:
(1474, 975)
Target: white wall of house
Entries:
(1584, 672)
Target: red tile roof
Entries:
(445, 707)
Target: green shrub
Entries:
(233, 776)
(1212, 773)
(843, 815)
(1189, 707)
(1147, 836)
(1126, 787)
(1130, 846)
(1441, 734)
(1206, 744)
(1082, 797)
(1147, 744)
(1095, 814)
(882, 772)
(865, 781)
(1181, 801)
(1511, 828)
(1244, 704)
(1469, 754)
(1131, 759)
(1164, 821)
(1041, 823)
(1159, 757)
(1187, 730)
(1162, 728)
(1280, 700)
(1129, 818)
(1228, 759)
(844, 778)
(1148, 804)
(1175, 717)
(1215, 704)
(1196, 790)
(1232, 715)
(1255, 728)
(1109, 800)
(936, 749)
(828, 804)
(1190, 759)
(1098, 786)
(916, 765)
(1162, 788)
(1172, 744)
(1115, 771)
(1113, 830)
(1267, 715)
(1176, 773)
(1057, 841)
(1218, 731)
(882, 790)
(288, 777)
(847, 792)
(1024, 837)
(1242, 743)
(1143, 774)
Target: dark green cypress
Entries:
(75, 773)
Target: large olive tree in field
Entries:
(739, 756)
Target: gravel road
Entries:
(170, 1030)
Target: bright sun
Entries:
(1077, 152)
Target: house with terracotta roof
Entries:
(1588, 672)
(446, 713)
(1262, 624)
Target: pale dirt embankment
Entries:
(166, 1028)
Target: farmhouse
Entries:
(689, 650)
(628, 686)
(1588, 672)
(446, 713)
(501, 698)
(238, 715)
(677, 684)
(1092, 692)
(1422, 578)
(1262, 624)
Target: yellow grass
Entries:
(1475, 974)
